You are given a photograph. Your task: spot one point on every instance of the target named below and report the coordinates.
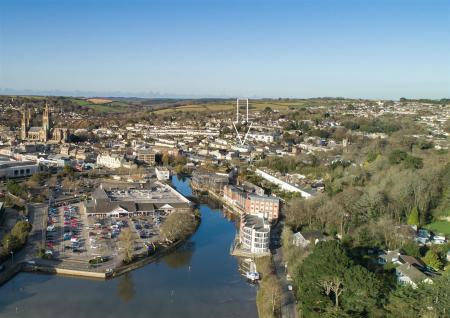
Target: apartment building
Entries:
(254, 234)
(250, 203)
(146, 155)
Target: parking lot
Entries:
(72, 235)
(104, 233)
(66, 235)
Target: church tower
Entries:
(46, 121)
(24, 125)
(29, 118)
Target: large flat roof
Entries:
(11, 164)
(155, 193)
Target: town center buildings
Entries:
(129, 200)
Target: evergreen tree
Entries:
(432, 259)
(413, 218)
(330, 284)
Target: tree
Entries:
(68, 170)
(432, 259)
(126, 241)
(21, 230)
(411, 248)
(329, 279)
(362, 291)
(273, 293)
(412, 162)
(267, 110)
(10, 243)
(53, 181)
(270, 294)
(66, 183)
(427, 300)
(165, 159)
(413, 218)
(15, 188)
(178, 226)
(397, 156)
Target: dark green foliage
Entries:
(371, 156)
(411, 248)
(428, 300)
(21, 230)
(10, 243)
(329, 282)
(397, 156)
(425, 144)
(16, 238)
(379, 126)
(15, 188)
(433, 260)
(413, 218)
(324, 134)
(412, 162)
(351, 125)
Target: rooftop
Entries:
(255, 222)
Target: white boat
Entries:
(253, 276)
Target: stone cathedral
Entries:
(46, 133)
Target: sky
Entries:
(229, 48)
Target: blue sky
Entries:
(254, 48)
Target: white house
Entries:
(162, 173)
(408, 274)
(304, 239)
(112, 161)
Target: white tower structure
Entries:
(244, 119)
(240, 103)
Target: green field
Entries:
(113, 107)
(442, 227)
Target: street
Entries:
(288, 305)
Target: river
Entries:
(200, 279)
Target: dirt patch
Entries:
(99, 101)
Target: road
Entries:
(288, 305)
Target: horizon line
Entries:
(152, 95)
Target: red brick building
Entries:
(249, 203)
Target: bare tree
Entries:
(126, 242)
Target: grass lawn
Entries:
(439, 227)
(80, 102)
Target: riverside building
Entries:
(254, 234)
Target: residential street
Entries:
(288, 306)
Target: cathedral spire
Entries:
(24, 124)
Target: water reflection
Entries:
(181, 257)
(230, 215)
(125, 287)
